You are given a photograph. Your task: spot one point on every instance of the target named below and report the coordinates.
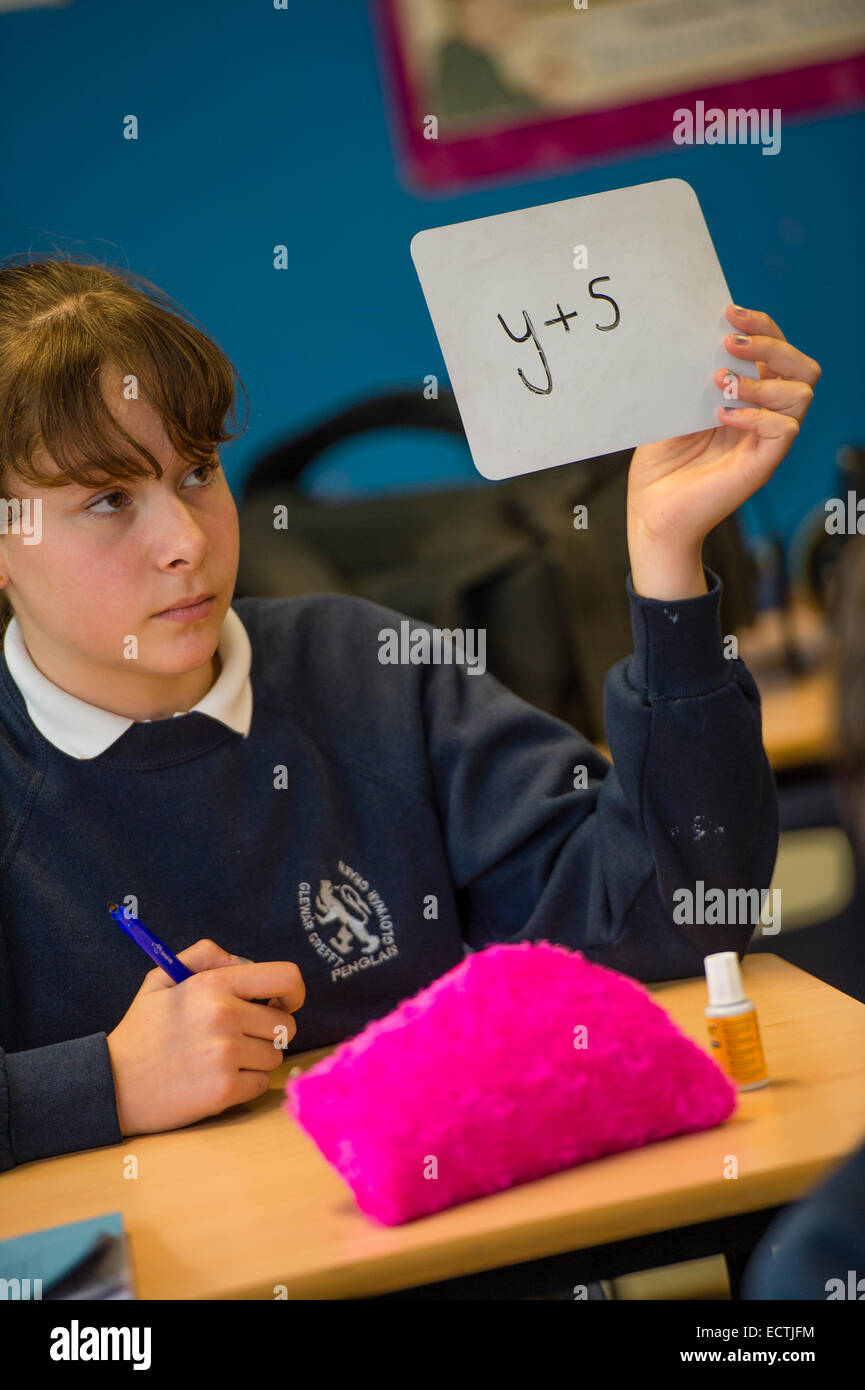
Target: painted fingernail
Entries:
(737, 309)
(742, 339)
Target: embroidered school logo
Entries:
(346, 923)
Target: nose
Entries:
(180, 538)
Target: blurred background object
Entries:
(530, 86)
(505, 557)
(815, 550)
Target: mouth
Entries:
(189, 610)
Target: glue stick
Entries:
(732, 1019)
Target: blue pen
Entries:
(155, 949)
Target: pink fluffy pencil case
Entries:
(520, 1061)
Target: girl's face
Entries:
(111, 560)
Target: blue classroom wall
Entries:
(261, 126)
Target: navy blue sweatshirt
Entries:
(377, 822)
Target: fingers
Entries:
(759, 339)
(200, 956)
(255, 1054)
(753, 321)
(771, 393)
(262, 1021)
(268, 979)
(770, 435)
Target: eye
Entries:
(92, 506)
(211, 467)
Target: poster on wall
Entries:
(480, 90)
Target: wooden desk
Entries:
(800, 720)
(234, 1206)
(800, 716)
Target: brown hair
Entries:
(848, 611)
(61, 321)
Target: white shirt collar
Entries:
(84, 730)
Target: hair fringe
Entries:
(62, 322)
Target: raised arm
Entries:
(549, 841)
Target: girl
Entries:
(252, 779)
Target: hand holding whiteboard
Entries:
(579, 328)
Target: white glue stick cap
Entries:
(723, 978)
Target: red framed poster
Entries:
(483, 89)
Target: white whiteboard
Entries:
(618, 352)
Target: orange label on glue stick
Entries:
(736, 1040)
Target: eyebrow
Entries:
(81, 490)
(130, 482)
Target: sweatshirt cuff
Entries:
(62, 1099)
(678, 650)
